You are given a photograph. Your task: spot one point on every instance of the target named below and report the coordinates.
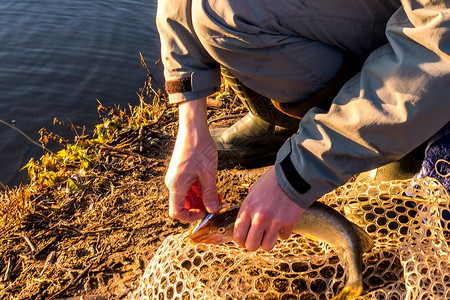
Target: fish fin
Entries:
(348, 293)
(366, 241)
(311, 237)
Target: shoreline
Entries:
(93, 214)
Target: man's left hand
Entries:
(266, 214)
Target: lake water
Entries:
(57, 57)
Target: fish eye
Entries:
(221, 230)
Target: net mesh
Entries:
(409, 223)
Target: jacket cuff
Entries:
(199, 84)
(302, 190)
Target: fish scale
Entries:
(320, 222)
(408, 222)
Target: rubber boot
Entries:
(254, 140)
(250, 142)
(405, 168)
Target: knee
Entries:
(163, 13)
(225, 31)
(207, 20)
(173, 16)
(221, 23)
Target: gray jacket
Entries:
(289, 49)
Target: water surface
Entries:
(58, 56)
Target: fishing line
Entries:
(25, 135)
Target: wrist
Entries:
(193, 117)
(193, 111)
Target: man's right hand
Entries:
(194, 158)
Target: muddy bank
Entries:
(94, 213)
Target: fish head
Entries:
(218, 229)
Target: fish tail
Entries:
(354, 287)
(348, 292)
(365, 239)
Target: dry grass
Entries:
(93, 213)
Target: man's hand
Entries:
(194, 158)
(265, 214)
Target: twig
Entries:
(73, 282)
(9, 288)
(73, 128)
(87, 232)
(9, 268)
(5, 187)
(27, 239)
(226, 118)
(50, 260)
(149, 73)
(214, 103)
(62, 225)
(127, 241)
(160, 117)
(15, 236)
(99, 258)
(124, 151)
(232, 104)
(51, 241)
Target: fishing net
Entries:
(409, 223)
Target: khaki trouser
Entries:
(289, 49)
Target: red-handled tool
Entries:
(194, 199)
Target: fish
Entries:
(320, 222)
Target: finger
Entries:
(194, 215)
(176, 206)
(179, 212)
(209, 192)
(255, 234)
(186, 215)
(270, 239)
(286, 231)
(241, 227)
(177, 191)
(254, 238)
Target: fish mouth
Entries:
(198, 239)
(202, 223)
(207, 239)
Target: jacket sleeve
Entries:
(189, 70)
(398, 101)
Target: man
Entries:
(290, 51)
